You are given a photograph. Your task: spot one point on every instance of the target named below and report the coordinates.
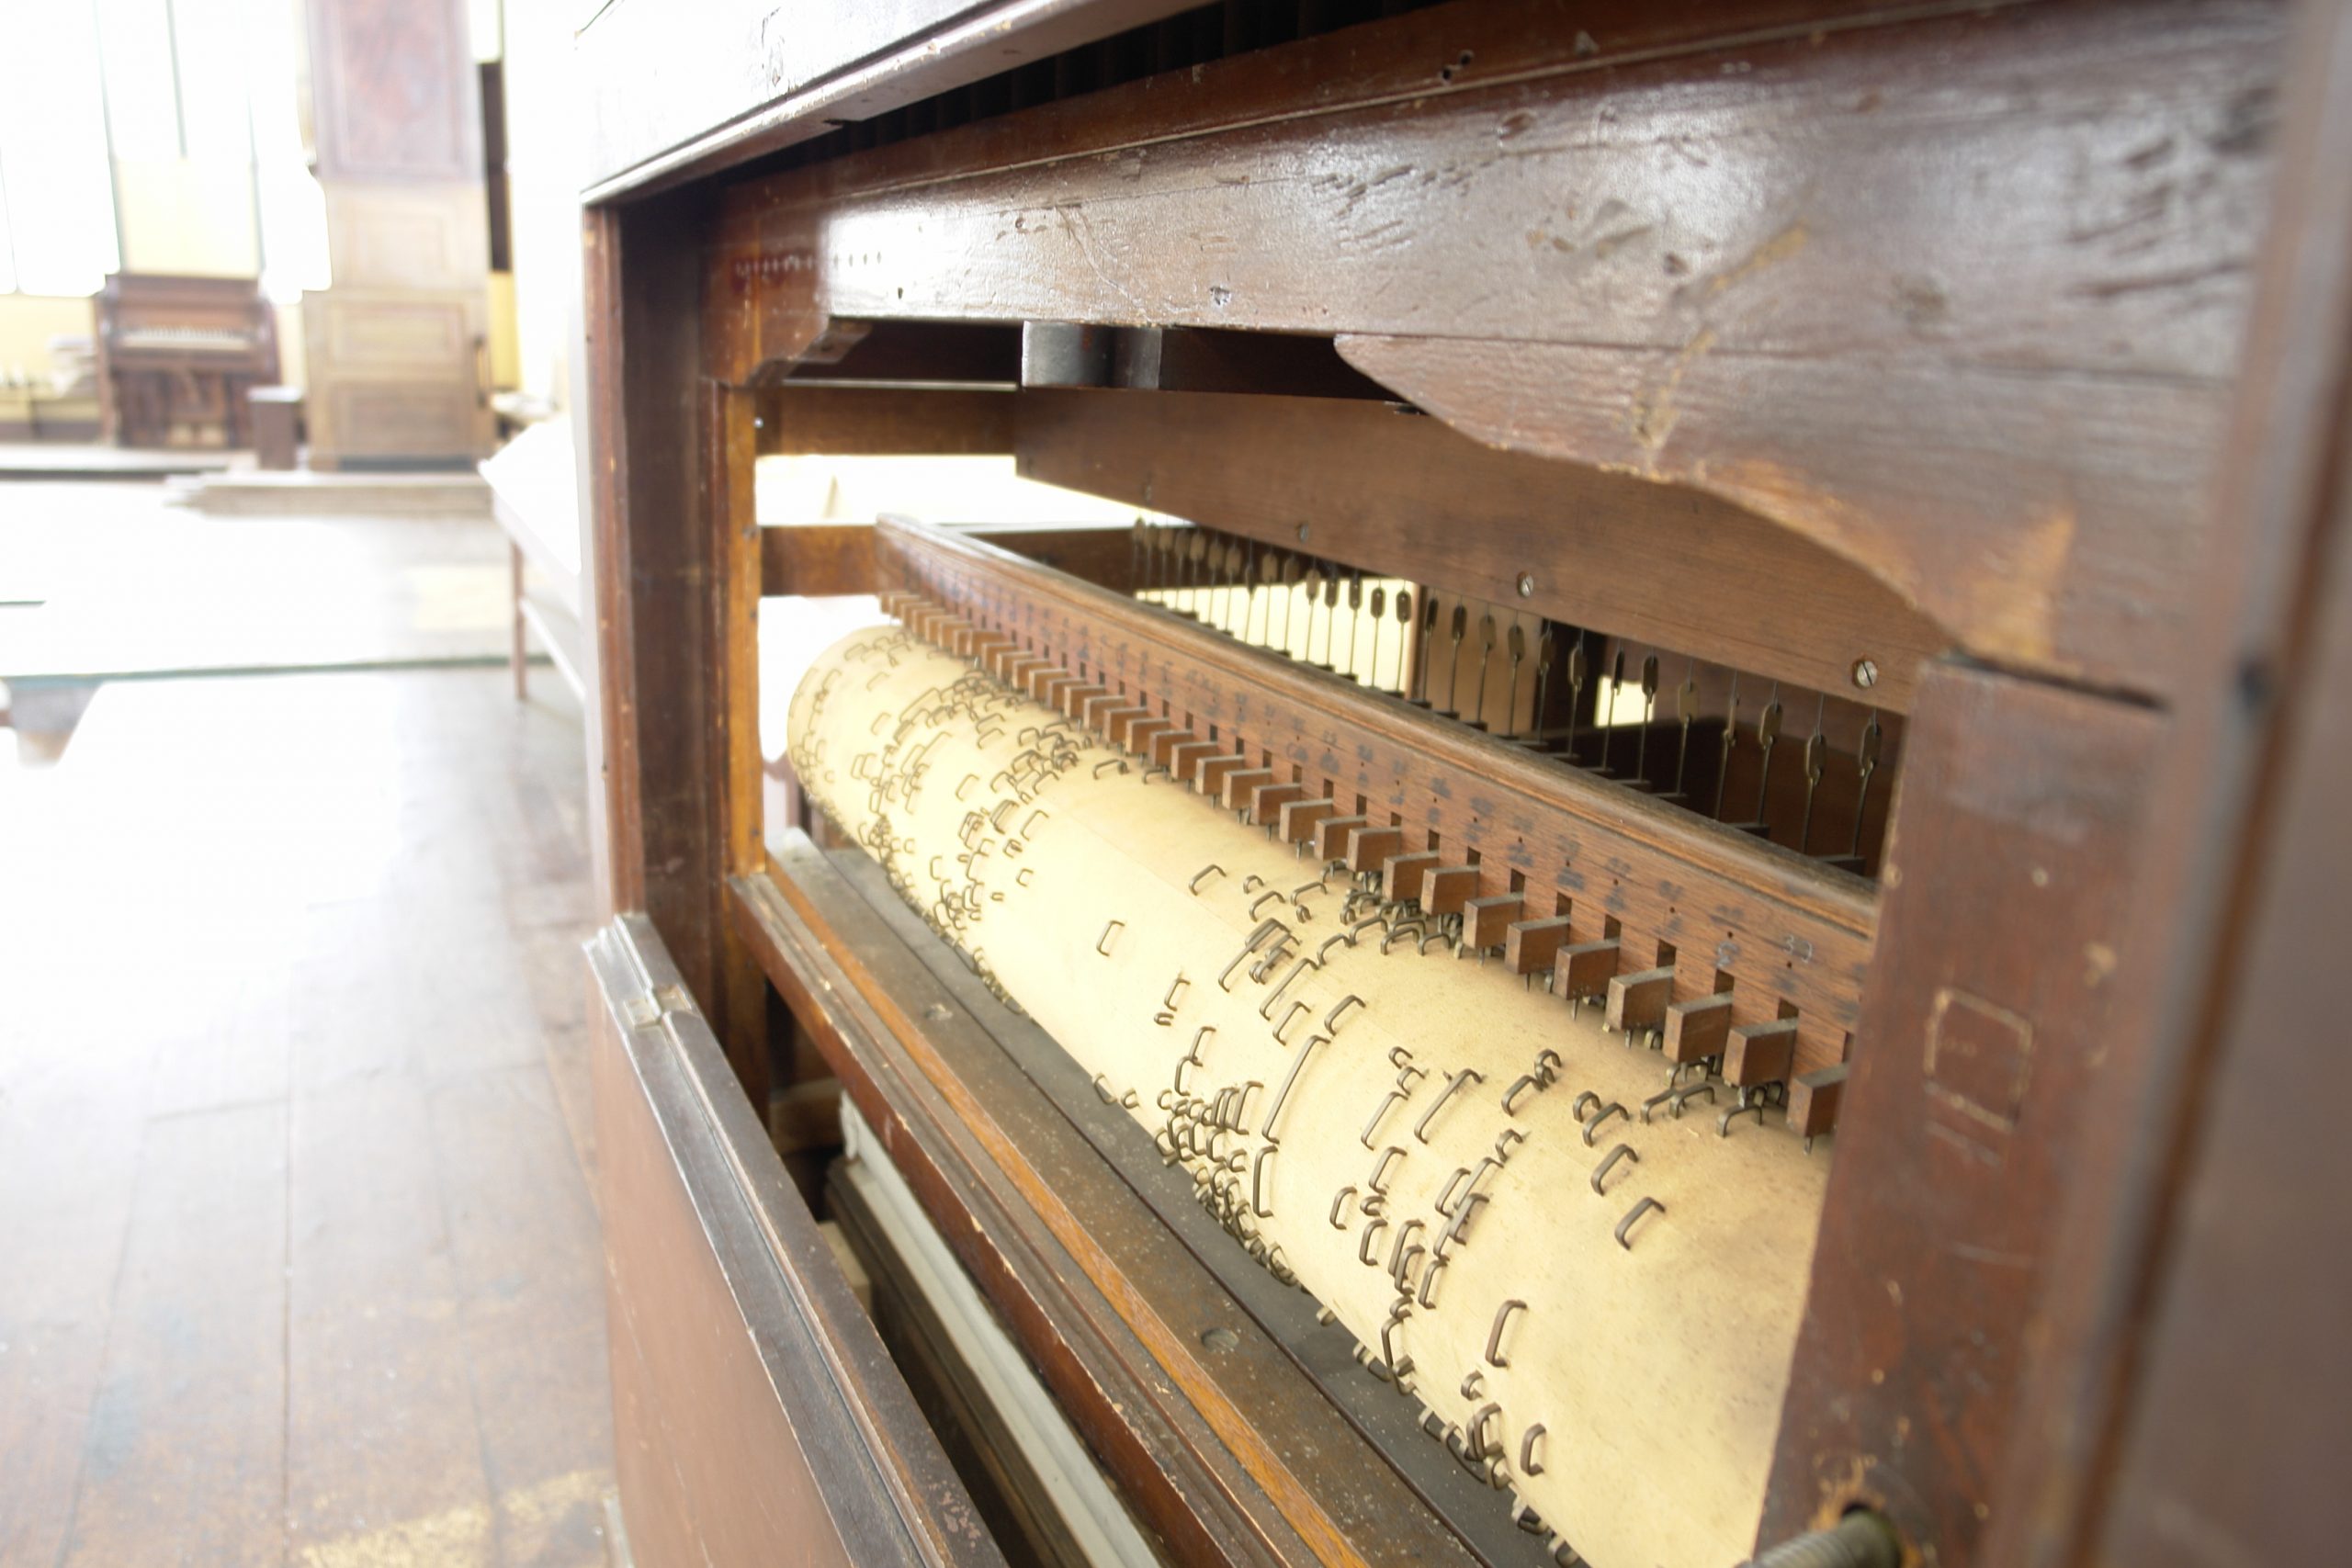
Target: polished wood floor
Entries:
(299, 1262)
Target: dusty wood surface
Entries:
(676, 582)
(2009, 887)
(1980, 352)
(2192, 1199)
(302, 1264)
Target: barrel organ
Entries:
(1600, 935)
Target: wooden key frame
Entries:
(1672, 879)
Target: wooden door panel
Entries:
(758, 1418)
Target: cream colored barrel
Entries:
(1343, 1105)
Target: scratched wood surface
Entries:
(1955, 296)
(2009, 886)
(302, 1264)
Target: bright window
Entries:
(56, 186)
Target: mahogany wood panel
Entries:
(1661, 564)
(2237, 1432)
(2007, 888)
(1784, 929)
(670, 560)
(759, 1416)
(1078, 1266)
(1813, 231)
(2234, 846)
(738, 1001)
(826, 558)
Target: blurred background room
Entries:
(298, 1258)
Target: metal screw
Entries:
(1865, 673)
(1526, 584)
(1302, 532)
(1220, 1339)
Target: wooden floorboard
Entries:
(302, 1266)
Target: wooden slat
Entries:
(785, 1435)
(823, 559)
(671, 504)
(1410, 498)
(1080, 1267)
(1784, 927)
(850, 421)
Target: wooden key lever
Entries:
(1584, 969)
(1369, 848)
(1531, 945)
(1638, 1000)
(1758, 1054)
(1813, 1101)
(1697, 1028)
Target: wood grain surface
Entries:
(1980, 352)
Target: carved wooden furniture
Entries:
(1891, 464)
(398, 345)
(178, 355)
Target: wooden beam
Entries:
(1983, 1036)
(820, 560)
(1388, 493)
(859, 422)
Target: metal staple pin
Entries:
(1257, 1184)
(1505, 1141)
(1282, 1095)
(1338, 1011)
(1592, 1127)
(1396, 1254)
(1601, 1172)
(1379, 1111)
(1527, 1465)
(1689, 1092)
(1380, 1170)
(1459, 1230)
(1339, 1201)
(1467, 1075)
(1202, 875)
(1635, 1213)
(1102, 943)
(1495, 1333)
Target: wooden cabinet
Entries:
(396, 347)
